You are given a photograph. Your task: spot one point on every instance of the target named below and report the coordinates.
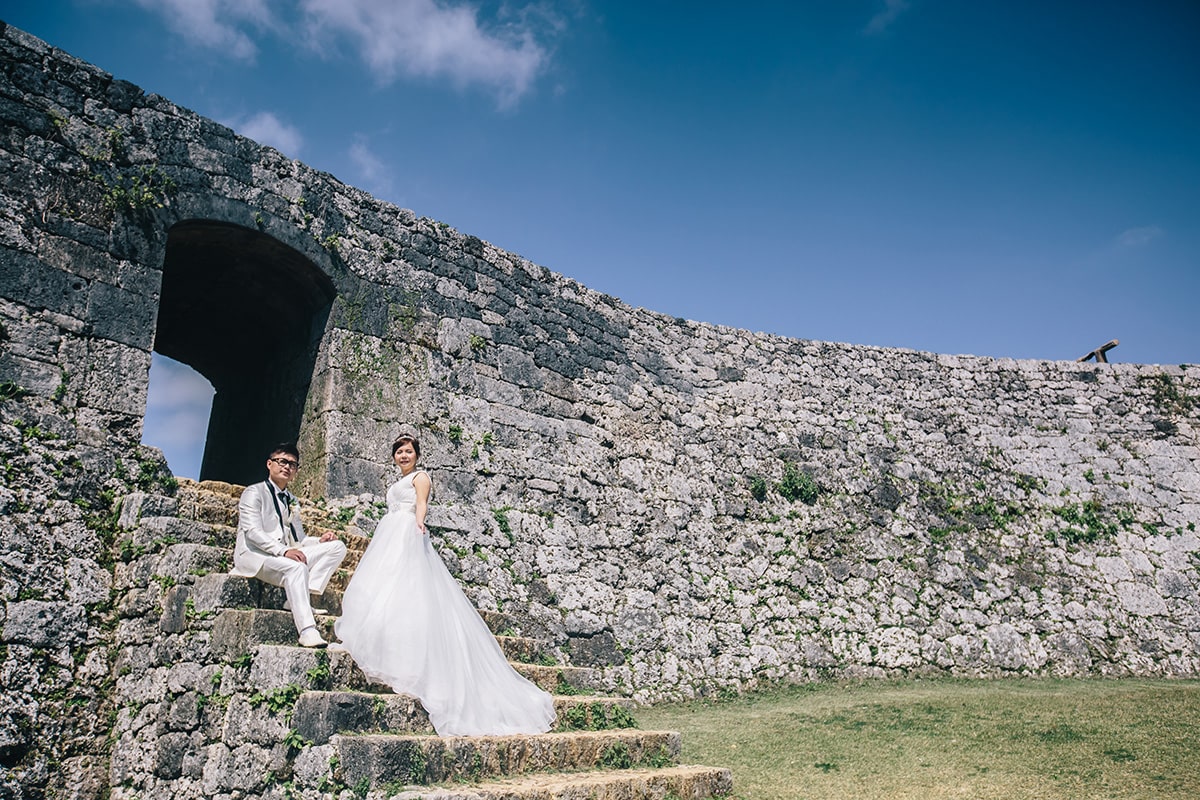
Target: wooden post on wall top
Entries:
(1099, 352)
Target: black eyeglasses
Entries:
(286, 463)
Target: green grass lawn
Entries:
(929, 739)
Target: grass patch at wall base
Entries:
(932, 739)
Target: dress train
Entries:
(408, 624)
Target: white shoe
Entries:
(310, 638)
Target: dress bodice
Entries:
(402, 495)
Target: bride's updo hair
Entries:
(409, 439)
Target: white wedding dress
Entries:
(407, 623)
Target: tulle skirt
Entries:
(407, 623)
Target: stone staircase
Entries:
(312, 725)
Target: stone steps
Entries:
(349, 733)
(236, 632)
(276, 667)
(319, 715)
(215, 503)
(378, 760)
(636, 784)
(559, 679)
(269, 638)
(498, 622)
(239, 628)
(593, 712)
(525, 650)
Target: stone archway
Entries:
(247, 312)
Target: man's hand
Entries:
(328, 536)
(296, 555)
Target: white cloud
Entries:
(374, 175)
(1136, 237)
(883, 20)
(394, 38)
(266, 128)
(424, 38)
(178, 385)
(179, 431)
(214, 23)
(178, 405)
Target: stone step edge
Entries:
(276, 626)
(183, 567)
(690, 781)
(566, 699)
(207, 596)
(453, 741)
(320, 714)
(345, 675)
(558, 679)
(386, 759)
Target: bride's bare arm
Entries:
(423, 485)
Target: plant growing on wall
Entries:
(797, 485)
(1088, 522)
(1168, 396)
(758, 487)
(11, 391)
(125, 187)
(482, 443)
(145, 188)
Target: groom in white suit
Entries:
(272, 547)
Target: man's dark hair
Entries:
(288, 448)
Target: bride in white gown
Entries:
(407, 623)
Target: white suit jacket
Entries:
(259, 532)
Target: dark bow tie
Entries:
(286, 498)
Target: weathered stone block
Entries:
(1140, 599)
(319, 715)
(45, 624)
(381, 759)
(194, 562)
(174, 618)
(599, 650)
(136, 505)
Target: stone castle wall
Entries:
(691, 508)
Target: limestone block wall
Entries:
(613, 470)
(970, 516)
(58, 541)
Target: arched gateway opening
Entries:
(247, 312)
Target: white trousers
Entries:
(298, 580)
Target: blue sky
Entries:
(1002, 178)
